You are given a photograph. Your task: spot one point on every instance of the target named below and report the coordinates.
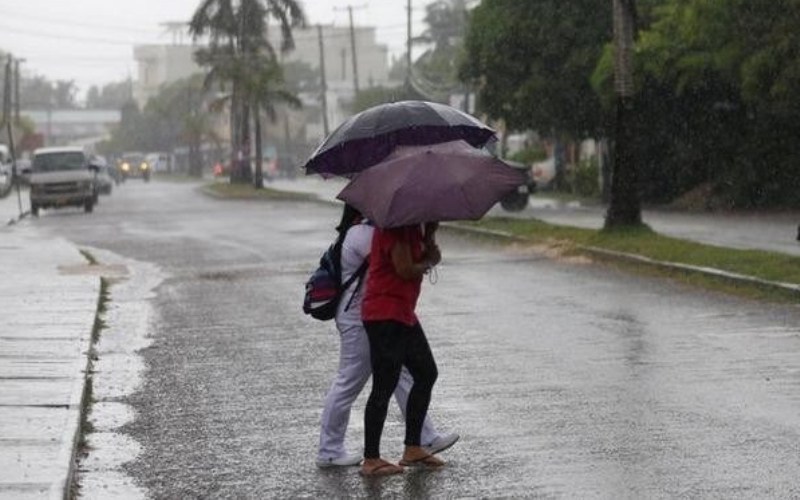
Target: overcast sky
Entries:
(91, 41)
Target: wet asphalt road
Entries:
(565, 379)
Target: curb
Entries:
(639, 259)
(708, 271)
(78, 399)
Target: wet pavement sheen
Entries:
(564, 379)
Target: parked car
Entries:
(133, 165)
(62, 176)
(519, 199)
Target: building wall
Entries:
(159, 65)
(372, 58)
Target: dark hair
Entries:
(350, 216)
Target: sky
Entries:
(91, 41)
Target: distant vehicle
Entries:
(133, 165)
(62, 177)
(105, 181)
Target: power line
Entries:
(70, 22)
(72, 38)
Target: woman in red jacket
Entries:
(399, 258)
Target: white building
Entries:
(372, 60)
(159, 65)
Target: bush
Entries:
(584, 178)
(529, 155)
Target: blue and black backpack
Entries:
(324, 289)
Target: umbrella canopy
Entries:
(415, 184)
(368, 137)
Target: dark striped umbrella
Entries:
(370, 136)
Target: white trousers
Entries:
(354, 371)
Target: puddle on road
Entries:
(118, 372)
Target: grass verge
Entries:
(642, 241)
(248, 192)
(639, 241)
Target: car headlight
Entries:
(125, 167)
(144, 166)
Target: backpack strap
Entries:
(360, 272)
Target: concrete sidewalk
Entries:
(48, 303)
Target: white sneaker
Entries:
(441, 443)
(347, 460)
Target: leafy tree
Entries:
(178, 116)
(717, 82)
(436, 70)
(531, 62)
(265, 89)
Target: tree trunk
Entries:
(243, 170)
(235, 122)
(258, 181)
(195, 160)
(624, 208)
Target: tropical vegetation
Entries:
(243, 63)
(715, 90)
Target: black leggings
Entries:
(393, 345)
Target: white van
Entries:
(62, 176)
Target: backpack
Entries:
(324, 289)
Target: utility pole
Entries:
(16, 90)
(353, 44)
(408, 45)
(624, 208)
(324, 84)
(7, 92)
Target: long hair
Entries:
(350, 215)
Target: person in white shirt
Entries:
(354, 358)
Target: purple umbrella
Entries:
(370, 136)
(415, 184)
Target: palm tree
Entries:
(237, 34)
(264, 89)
